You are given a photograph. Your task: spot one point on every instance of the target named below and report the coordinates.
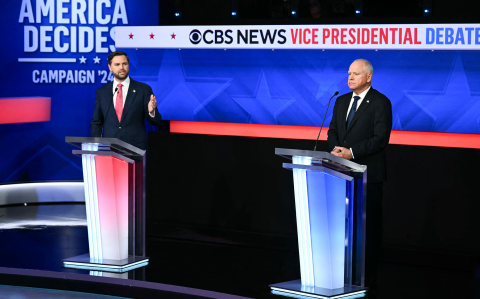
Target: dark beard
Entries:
(119, 78)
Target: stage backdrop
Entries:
(202, 74)
(433, 91)
(54, 58)
(285, 74)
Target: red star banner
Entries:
(374, 37)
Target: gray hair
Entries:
(368, 65)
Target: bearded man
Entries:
(123, 105)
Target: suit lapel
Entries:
(108, 95)
(130, 98)
(363, 106)
(344, 110)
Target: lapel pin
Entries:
(367, 100)
(134, 90)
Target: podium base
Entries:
(84, 262)
(295, 289)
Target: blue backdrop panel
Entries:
(435, 91)
(37, 151)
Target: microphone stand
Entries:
(108, 110)
(315, 148)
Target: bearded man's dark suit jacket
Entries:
(131, 127)
(367, 137)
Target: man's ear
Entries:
(369, 77)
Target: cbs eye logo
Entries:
(195, 36)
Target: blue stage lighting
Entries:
(234, 13)
(177, 14)
(426, 11)
(293, 12)
(357, 11)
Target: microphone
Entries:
(315, 148)
(116, 89)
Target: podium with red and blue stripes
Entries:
(114, 183)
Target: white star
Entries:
(96, 60)
(83, 60)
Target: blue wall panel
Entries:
(37, 151)
(436, 91)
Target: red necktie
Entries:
(119, 102)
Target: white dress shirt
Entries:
(125, 86)
(362, 96)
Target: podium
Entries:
(330, 203)
(114, 182)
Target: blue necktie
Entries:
(352, 111)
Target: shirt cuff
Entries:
(352, 153)
(151, 114)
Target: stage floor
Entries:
(38, 237)
(15, 292)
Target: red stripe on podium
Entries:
(310, 133)
(112, 192)
(24, 110)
